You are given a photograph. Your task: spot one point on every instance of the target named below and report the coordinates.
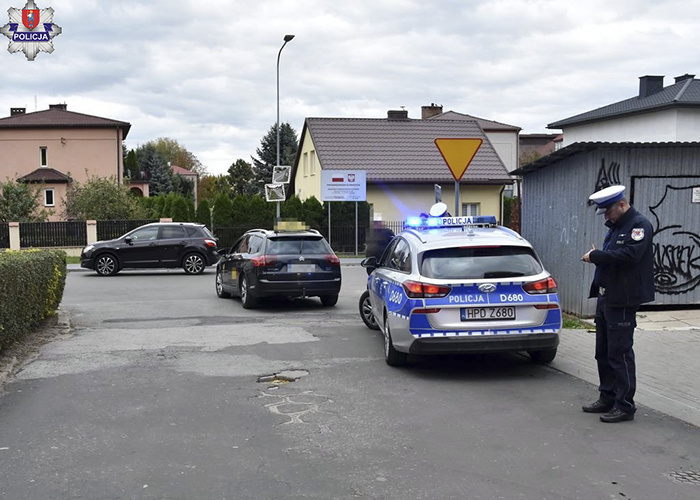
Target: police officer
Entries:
(378, 239)
(624, 279)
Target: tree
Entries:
(176, 154)
(261, 212)
(240, 210)
(203, 213)
(221, 214)
(267, 153)
(240, 176)
(313, 212)
(151, 162)
(131, 166)
(179, 210)
(101, 198)
(292, 209)
(20, 202)
(528, 157)
(183, 186)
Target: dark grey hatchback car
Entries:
(177, 244)
(266, 263)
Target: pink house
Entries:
(55, 147)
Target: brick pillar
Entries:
(14, 235)
(91, 231)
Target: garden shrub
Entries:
(31, 288)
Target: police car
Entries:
(460, 285)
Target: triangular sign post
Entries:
(458, 154)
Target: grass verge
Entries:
(573, 323)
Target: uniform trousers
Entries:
(614, 330)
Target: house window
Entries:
(44, 156)
(313, 162)
(471, 209)
(48, 198)
(306, 164)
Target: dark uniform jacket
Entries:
(625, 265)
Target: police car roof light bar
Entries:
(443, 222)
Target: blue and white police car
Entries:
(462, 285)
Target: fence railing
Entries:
(110, 229)
(4, 235)
(74, 234)
(52, 234)
(342, 237)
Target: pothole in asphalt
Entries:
(685, 476)
(283, 377)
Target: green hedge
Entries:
(31, 288)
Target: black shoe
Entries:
(600, 406)
(615, 415)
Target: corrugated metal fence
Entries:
(562, 226)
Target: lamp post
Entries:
(287, 38)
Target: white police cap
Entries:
(607, 197)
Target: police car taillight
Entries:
(547, 285)
(416, 290)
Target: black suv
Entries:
(177, 244)
(266, 263)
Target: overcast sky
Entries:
(205, 73)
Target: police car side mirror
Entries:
(369, 263)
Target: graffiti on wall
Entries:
(676, 244)
(607, 176)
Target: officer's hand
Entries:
(587, 256)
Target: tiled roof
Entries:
(59, 118)
(578, 147)
(685, 93)
(182, 171)
(400, 150)
(488, 125)
(46, 174)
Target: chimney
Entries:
(17, 111)
(397, 114)
(62, 107)
(649, 85)
(685, 77)
(430, 111)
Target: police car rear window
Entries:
(480, 263)
(306, 245)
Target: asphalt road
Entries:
(155, 394)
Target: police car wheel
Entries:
(542, 357)
(366, 312)
(391, 355)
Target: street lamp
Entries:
(287, 38)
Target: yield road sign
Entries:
(458, 154)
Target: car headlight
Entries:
(88, 248)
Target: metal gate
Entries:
(672, 205)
